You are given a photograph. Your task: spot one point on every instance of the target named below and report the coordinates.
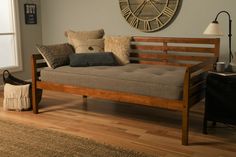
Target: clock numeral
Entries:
(168, 12)
(126, 12)
(135, 22)
(159, 22)
(147, 26)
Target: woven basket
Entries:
(9, 78)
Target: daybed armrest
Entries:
(194, 81)
(203, 65)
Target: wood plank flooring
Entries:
(150, 130)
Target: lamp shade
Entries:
(213, 29)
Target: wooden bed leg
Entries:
(34, 87)
(34, 101)
(185, 125)
(85, 101)
(185, 110)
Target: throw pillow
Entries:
(83, 35)
(89, 45)
(119, 46)
(92, 59)
(56, 55)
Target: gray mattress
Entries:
(151, 80)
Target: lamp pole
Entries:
(230, 32)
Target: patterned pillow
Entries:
(119, 46)
(89, 45)
(83, 35)
(56, 55)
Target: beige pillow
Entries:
(88, 46)
(119, 46)
(83, 35)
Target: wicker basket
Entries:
(9, 78)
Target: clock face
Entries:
(148, 15)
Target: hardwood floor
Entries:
(144, 129)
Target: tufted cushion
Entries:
(56, 55)
(89, 45)
(119, 46)
(151, 80)
(83, 35)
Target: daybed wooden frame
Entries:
(151, 50)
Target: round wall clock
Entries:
(149, 15)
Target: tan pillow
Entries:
(88, 46)
(119, 46)
(83, 35)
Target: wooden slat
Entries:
(176, 40)
(190, 49)
(160, 63)
(197, 87)
(196, 98)
(199, 66)
(197, 78)
(173, 48)
(167, 56)
(148, 47)
(113, 95)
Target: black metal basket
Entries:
(10, 79)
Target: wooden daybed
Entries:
(198, 55)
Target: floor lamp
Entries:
(214, 29)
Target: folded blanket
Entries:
(16, 97)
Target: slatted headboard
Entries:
(176, 51)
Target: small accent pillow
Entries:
(92, 59)
(119, 46)
(56, 55)
(84, 35)
(89, 45)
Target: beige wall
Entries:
(194, 16)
